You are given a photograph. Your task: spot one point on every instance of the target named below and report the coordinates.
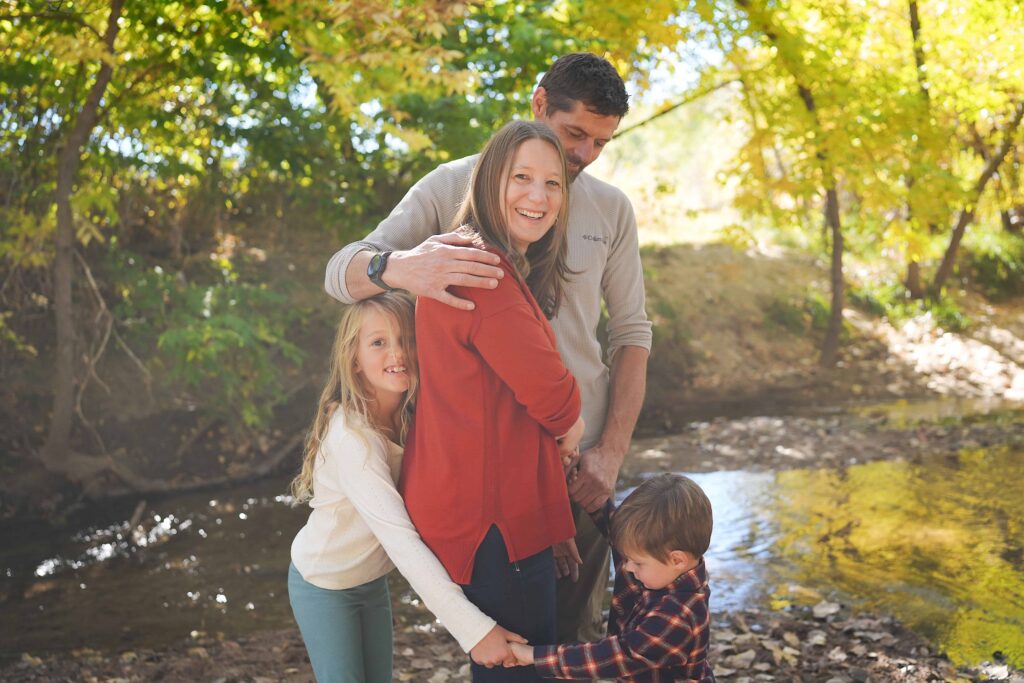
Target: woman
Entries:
(483, 476)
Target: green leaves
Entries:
(223, 341)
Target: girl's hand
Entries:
(493, 650)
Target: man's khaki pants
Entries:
(580, 604)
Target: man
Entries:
(582, 98)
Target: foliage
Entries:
(12, 340)
(809, 314)
(893, 301)
(906, 142)
(224, 339)
(996, 264)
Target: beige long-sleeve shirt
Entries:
(603, 249)
(359, 530)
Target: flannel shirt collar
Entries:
(693, 581)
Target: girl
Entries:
(337, 580)
(483, 480)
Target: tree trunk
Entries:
(830, 346)
(56, 452)
(913, 281)
(967, 213)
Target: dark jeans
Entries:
(520, 596)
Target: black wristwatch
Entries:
(375, 271)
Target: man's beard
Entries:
(570, 160)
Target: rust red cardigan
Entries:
(493, 396)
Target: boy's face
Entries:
(655, 574)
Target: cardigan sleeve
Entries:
(361, 472)
(515, 344)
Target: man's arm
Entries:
(423, 261)
(629, 341)
(599, 465)
(428, 269)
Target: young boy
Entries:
(659, 623)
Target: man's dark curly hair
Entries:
(585, 77)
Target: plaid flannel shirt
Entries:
(653, 636)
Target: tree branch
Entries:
(689, 99)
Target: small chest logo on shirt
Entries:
(596, 238)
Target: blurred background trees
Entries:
(174, 174)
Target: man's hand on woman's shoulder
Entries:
(439, 262)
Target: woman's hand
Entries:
(567, 559)
(569, 443)
(571, 464)
(494, 650)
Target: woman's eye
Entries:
(554, 184)
(521, 176)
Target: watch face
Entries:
(378, 262)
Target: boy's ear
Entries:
(681, 558)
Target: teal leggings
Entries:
(347, 632)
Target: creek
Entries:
(937, 542)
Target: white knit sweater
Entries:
(359, 525)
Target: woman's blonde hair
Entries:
(545, 266)
(345, 389)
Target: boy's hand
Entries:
(494, 648)
(567, 560)
(522, 653)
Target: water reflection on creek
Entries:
(937, 544)
(208, 563)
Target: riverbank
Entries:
(821, 645)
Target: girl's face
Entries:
(532, 194)
(380, 358)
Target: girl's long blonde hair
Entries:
(345, 389)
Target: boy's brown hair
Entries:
(665, 513)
